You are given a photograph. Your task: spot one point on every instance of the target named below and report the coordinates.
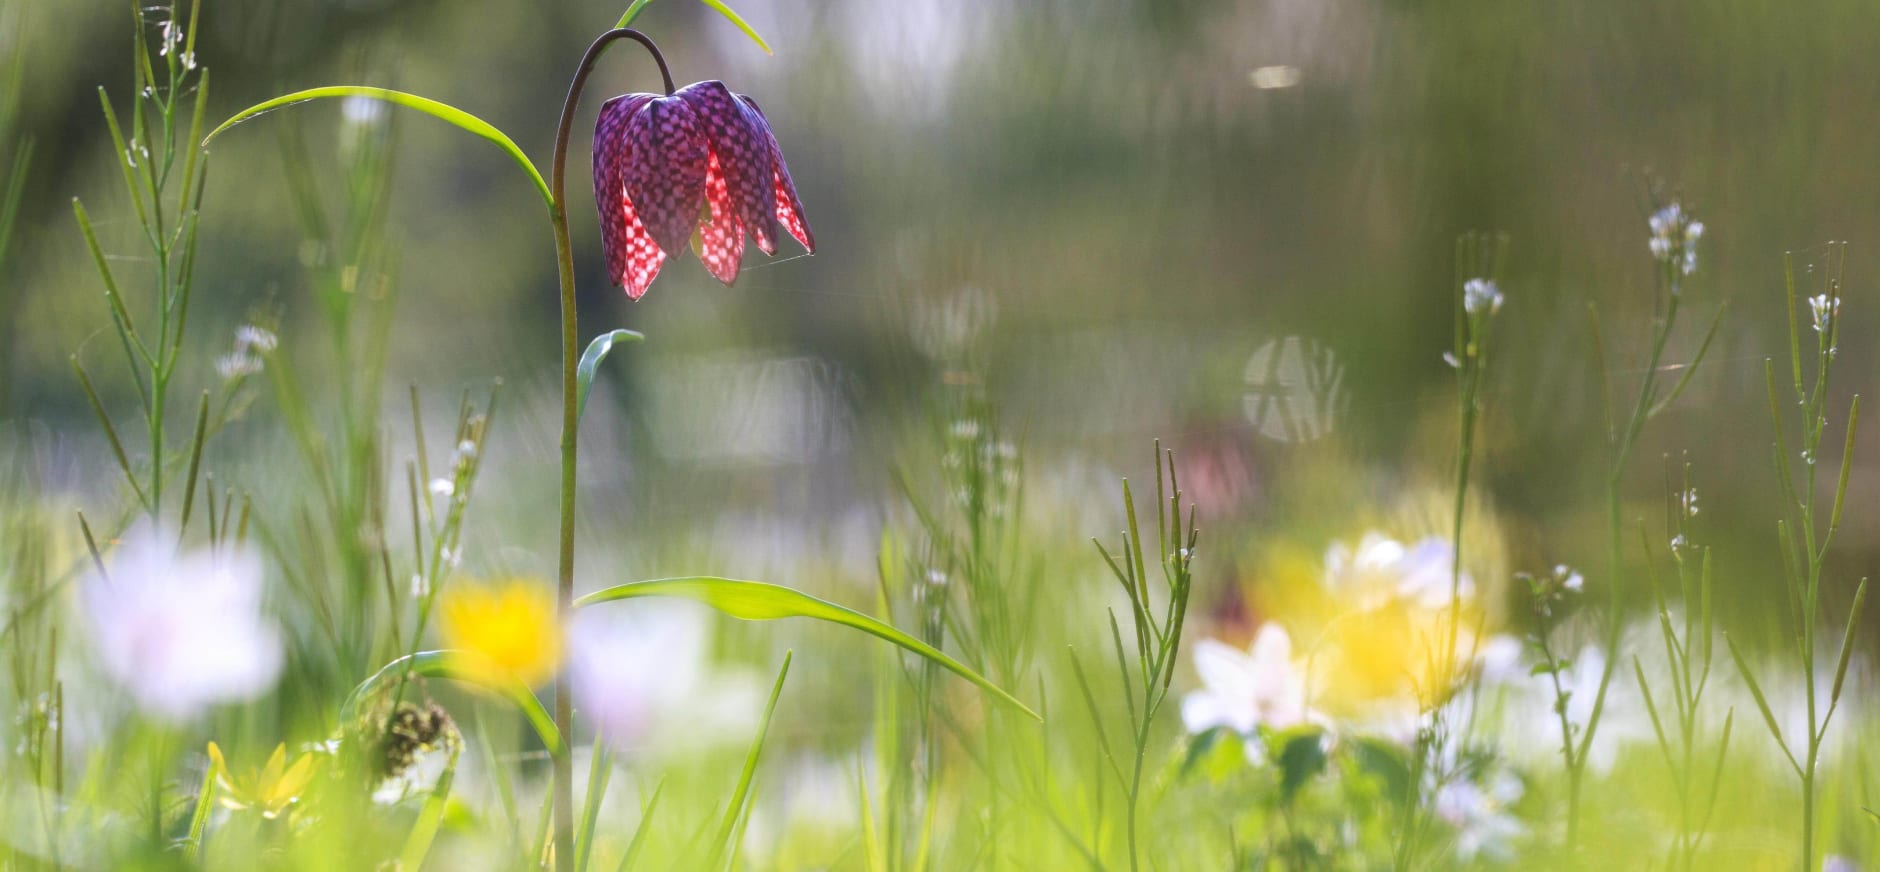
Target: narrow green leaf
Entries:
(646, 826)
(600, 771)
(1847, 643)
(441, 111)
(762, 601)
(424, 830)
(596, 352)
(1762, 704)
(719, 7)
(199, 820)
(1690, 369)
(110, 432)
(1658, 727)
(1847, 465)
(740, 797)
(443, 664)
(633, 12)
(195, 460)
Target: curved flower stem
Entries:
(570, 416)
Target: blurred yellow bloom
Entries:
(270, 789)
(503, 630)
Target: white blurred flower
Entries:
(1479, 813)
(1838, 863)
(1382, 569)
(417, 779)
(362, 111)
(252, 346)
(238, 365)
(179, 632)
(1824, 309)
(1687, 499)
(1674, 237)
(644, 677)
(1480, 297)
(249, 337)
(1570, 578)
(1242, 691)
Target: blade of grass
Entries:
(441, 111)
(741, 795)
(762, 601)
(639, 833)
(719, 7)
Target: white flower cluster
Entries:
(252, 346)
(1674, 237)
(1824, 309)
(1480, 297)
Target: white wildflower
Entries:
(1245, 690)
(443, 487)
(180, 632)
(237, 366)
(253, 338)
(1570, 578)
(1824, 309)
(1382, 569)
(1674, 237)
(1687, 499)
(647, 679)
(1480, 297)
(1481, 818)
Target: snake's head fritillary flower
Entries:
(700, 167)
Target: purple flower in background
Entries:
(699, 166)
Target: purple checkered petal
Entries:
(633, 259)
(666, 176)
(789, 209)
(738, 140)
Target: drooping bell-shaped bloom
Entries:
(699, 167)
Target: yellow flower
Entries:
(270, 789)
(502, 630)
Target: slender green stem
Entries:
(570, 418)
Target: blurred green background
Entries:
(1129, 218)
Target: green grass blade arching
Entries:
(433, 108)
(762, 601)
(596, 352)
(719, 7)
(731, 15)
(443, 664)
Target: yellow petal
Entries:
(293, 781)
(272, 772)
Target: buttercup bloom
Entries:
(271, 790)
(502, 631)
(181, 631)
(700, 166)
